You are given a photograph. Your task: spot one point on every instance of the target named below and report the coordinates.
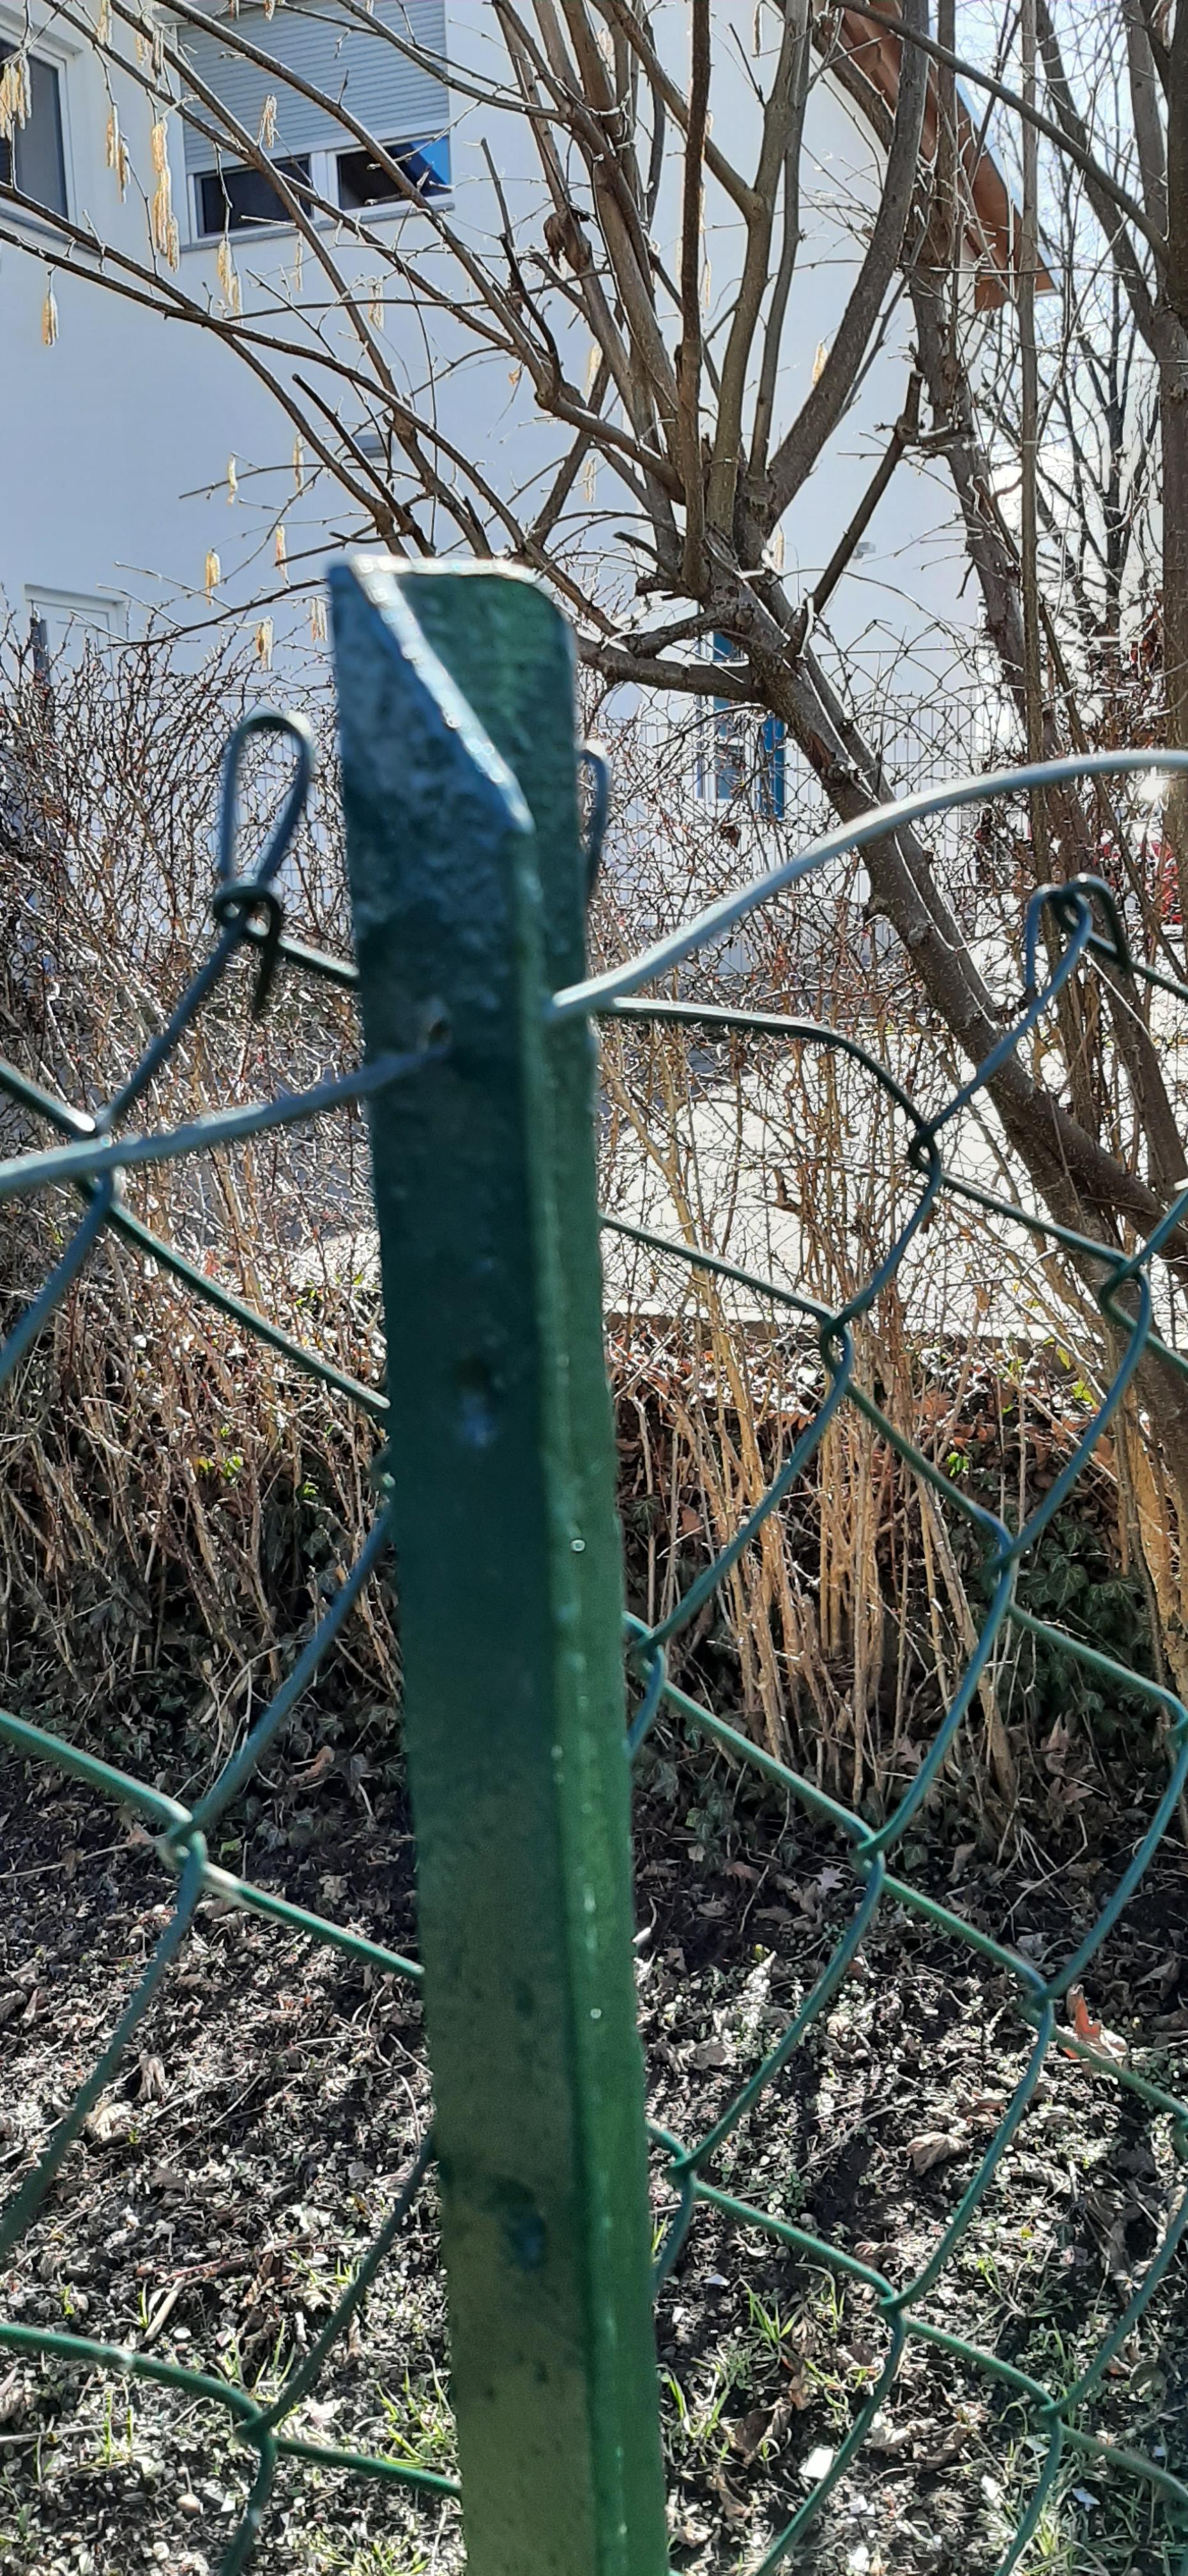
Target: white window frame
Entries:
(102, 614)
(714, 749)
(59, 53)
(350, 223)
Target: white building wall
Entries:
(117, 437)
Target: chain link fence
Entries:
(400, 668)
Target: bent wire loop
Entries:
(1077, 909)
(92, 1164)
(248, 912)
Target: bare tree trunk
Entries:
(1033, 699)
(1173, 376)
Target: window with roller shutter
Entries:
(317, 58)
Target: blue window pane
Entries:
(364, 182)
(771, 770)
(435, 157)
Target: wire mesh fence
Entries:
(1085, 927)
(246, 913)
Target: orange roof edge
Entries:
(994, 232)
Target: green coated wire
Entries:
(93, 1162)
(249, 913)
(610, 996)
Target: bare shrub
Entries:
(178, 1500)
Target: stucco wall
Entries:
(117, 438)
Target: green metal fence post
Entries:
(459, 788)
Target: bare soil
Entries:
(242, 2162)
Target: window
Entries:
(235, 197)
(32, 159)
(745, 758)
(364, 182)
(66, 624)
(343, 60)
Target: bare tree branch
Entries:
(1072, 139)
(689, 352)
(1104, 197)
(621, 14)
(903, 436)
(778, 122)
(773, 335)
(1148, 124)
(798, 452)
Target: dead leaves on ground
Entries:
(1108, 2043)
(935, 2146)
